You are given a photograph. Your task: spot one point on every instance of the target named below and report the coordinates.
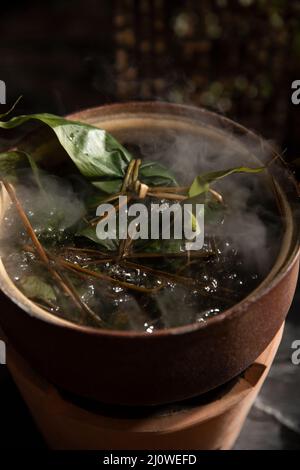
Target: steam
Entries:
(252, 223)
(52, 206)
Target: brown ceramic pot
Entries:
(173, 364)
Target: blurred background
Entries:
(236, 57)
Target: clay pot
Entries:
(211, 421)
(133, 368)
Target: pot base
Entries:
(213, 423)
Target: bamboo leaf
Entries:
(16, 159)
(155, 174)
(89, 232)
(94, 151)
(11, 109)
(11, 161)
(35, 288)
(201, 183)
(110, 187)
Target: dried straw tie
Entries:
(131, 181)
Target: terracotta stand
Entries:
(214, 425)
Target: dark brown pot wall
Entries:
(149, 370)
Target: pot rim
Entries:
(228, 314)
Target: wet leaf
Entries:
(201, 183)
(96, 153)
(35, 288)
(155, 174)
(90, 233)
(14, 160)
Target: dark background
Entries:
(238, 58)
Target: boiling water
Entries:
(183, 289)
